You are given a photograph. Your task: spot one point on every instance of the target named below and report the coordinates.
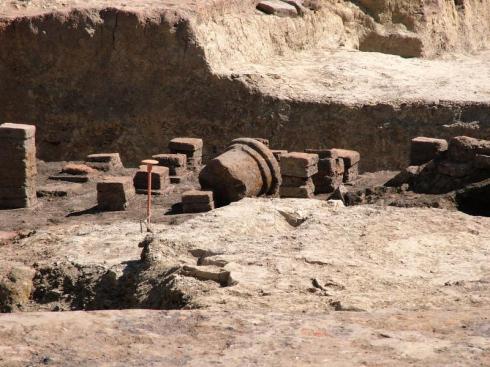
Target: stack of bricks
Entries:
(196, 201)
(351, 163)
(17, 166)
(330, 170)
(160, 180)
(114, 193)
(191, 147)
(176, 164)
(297, 170)
(104, 161)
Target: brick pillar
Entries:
(17, 166)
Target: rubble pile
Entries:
(444, 167)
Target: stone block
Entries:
(194, 162)
(326, 184)
(293, 181)
(197, 196)
(17, 166)
(70, 178)
(300, 192)
(114, 193)
(17, 191)
(104, 161)
(17, 131)
(179, 145)
(197, 207)
(482, 161)
(180, 178)
(278, 153)
(350, 157)
(276, 7)
(299, 164)
(423, 149)
(351, 173)
(464, 148)
(77, 169)
(160, 178)
(455, 169)
(323, 153)
(331, 166)
(171, 160)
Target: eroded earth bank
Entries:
(127, 77)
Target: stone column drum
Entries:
(246, 169)
(17, 166)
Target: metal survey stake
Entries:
(149, 165)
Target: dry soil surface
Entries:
(276, 282)
(238, 338)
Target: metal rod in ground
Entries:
(149, 165)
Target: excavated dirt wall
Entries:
(128, 81)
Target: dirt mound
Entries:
(290, 255)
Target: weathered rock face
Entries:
(130, 80)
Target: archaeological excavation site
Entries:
(244, 183)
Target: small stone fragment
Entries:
(279, 8)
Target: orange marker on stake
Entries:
(149, 165)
